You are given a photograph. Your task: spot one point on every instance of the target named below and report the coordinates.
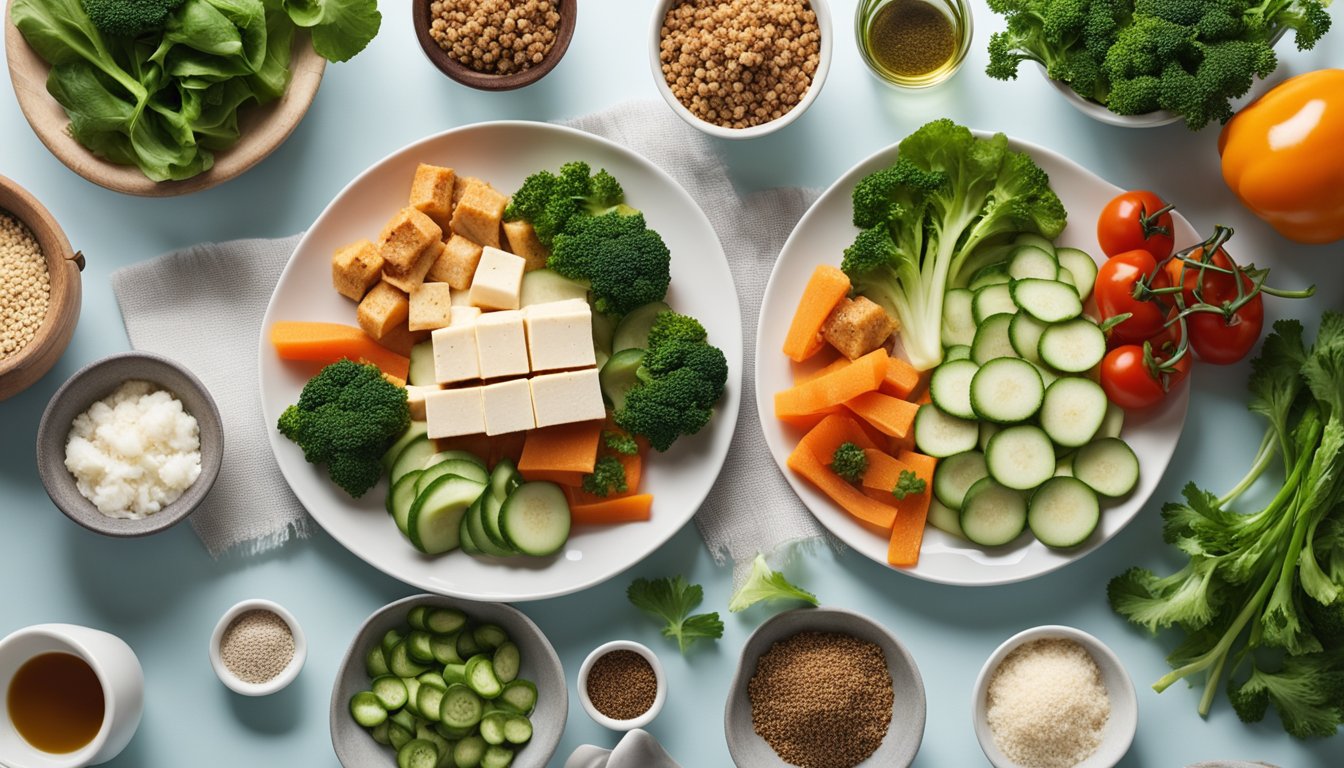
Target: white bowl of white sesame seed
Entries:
(739, 69)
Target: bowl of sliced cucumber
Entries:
(432, 681)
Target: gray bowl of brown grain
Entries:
(824, 686)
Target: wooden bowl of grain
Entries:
(32, 351)
(431, 27)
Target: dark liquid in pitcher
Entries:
(56, 702)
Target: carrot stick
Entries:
(863, 375)
(902, 378)
(561, 454)
(326, 343)
(626, 509)
(827, 286)
(888, 415)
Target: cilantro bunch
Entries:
(1260, 601)
(672, 600)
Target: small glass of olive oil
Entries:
(913, 43)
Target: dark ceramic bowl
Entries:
(97, 380)
(420, 13)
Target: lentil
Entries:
(622, 685)
(257, 646)
(822, 699)
(497, 37)
(740, 63)
(25, 286)
(1047, 705)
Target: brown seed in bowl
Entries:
(25, 286)
(497, 37)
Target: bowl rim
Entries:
(1100, 113)
(660, 697)
(569, 10)
(286, 675)
(873, 6)
(1119, 733)
(822, 10)
(51, 473)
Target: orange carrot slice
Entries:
(869, 512)
(863, 375)
(627, 509)
(827, 286)
(890, 416)
(562, 454)
(326, 343)
(902, 378)
(907, 533)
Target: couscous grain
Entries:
(25, 286)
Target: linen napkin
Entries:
(224, 289)
(636, 749)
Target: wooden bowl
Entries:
(63, 265)
(449, 66)
(263, 128)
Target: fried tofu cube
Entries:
(857, 327)
(523, 242)
(384, 308)
(402, 340)
(416, 275)
(431, 307)
(498, 282)
(460, 185)
(355, 269)
(405, 237)
(456, 265)
(478, 214)
(432, 192)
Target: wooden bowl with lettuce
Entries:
(167, 97)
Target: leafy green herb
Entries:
(849, 461)
(1261, 598)
(672, 600)
(607, 477)
(620, 442)
(765, 584)
(908, 483)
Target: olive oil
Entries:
(56, 702)
(913, 43)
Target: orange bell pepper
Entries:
(1281, 156)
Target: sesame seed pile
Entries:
(25, 286)
(495, 37)
(257, 646)
(822, 699)
(622, 685)
(1047, 705)
(740, 63)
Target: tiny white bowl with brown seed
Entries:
(704, 86)
(257, 648)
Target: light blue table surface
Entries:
(164, 594)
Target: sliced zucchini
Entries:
(367, 710)
(1049, 301)
(987, 430)
(421, 372)
(945, 518)
(1063, 512)
(941, 434)
(632, 332)
(1114, 421)
(459, 467)
(1081, 266)
(950, 387)
(619, 375)
(955, 475)
(1108, 466)
(1020, 457)
(1038, 241)
(1029, 261)
(460, 707)
(1073, 410)
(1073, 346)
(412, 456)
(958, 320)
(956, 352)
(436, 515)
(417, 430)
(401, 497)
(991, 339)
(992, 274)
(543, 286)
(993, 514)
(1024, 333)
(992, 300)
(1006, 390)
(535, 519)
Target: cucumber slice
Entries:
(1049, 301)
(460, 455)
(535, 519)
(632, 332)
(379, 733)
(1066, 277)
(992, 300)
(412, 701)
(1073, 346)
(475, 520)
(401, 497)
(940, 434)
(411, 457)
(955, 475)
(436, 515)
(504, 479)
(497, 756)
(517, 729)
(987, 430)
(465, 541)
(1073, 410)
(519, 696)
(1020, 458)
(542, 286)
(443, 621)
(993, 515)
(506, 660)
(619, 375)
(1114, 421)
(492, 726)
(455, 672)
(1035, 240)
(958, 325)
(604, 330)
(945, 518)
(1063, 512)
(991, 274)
(1024, 333)
(956, 352)
(490, 506)
(430, 699)
(417, 645)
(1108, 466)
(398, 736)
(416, 617)
(375, 662)
(459, 467)
(1081, 266)
(1029, 261)
(991, 339)
(389, 641)
(489, 636)
(433, 679)
(367, 710)
(1064, 466)
(399, 662)
(950, 387)
(460, 707)
(1006, 390)
(444, 648)
(418, 429)
(418, 753)
(468, 752)
(481, 677)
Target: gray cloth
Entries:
(209, 284)
(636, 749)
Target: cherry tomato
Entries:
(1127, 224)
(1115, 291)
(1129, 383)
(1216, 337)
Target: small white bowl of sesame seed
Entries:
(768, 72)
(622, 685)
(257, 648)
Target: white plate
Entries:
(504, 154)
(820, 238)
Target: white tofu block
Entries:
(462, 315)
(454, 412)
(508, 407)
(431, 307)
(415, 397)
(501, 343)
(463, 299)
(455, 356)
(563, 398)
(498, 280)
(560, 335)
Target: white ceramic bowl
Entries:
(658, 698)
(279, 681)
(1124, 719)
(1101, 114)
(823, 11)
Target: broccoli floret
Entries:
(548, 201)
(1146, 47)
(346, 417)
(1066, 37)
(1224, 71)
(619, 442)
(129, 18)
(679, 382)
(1307, 18)
(625, 263)
(672, 326)
(607, 477)
(849, 462)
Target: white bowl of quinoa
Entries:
(257, 648)
(739, 69)
(39, 289)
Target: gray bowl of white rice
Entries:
(130, 444)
